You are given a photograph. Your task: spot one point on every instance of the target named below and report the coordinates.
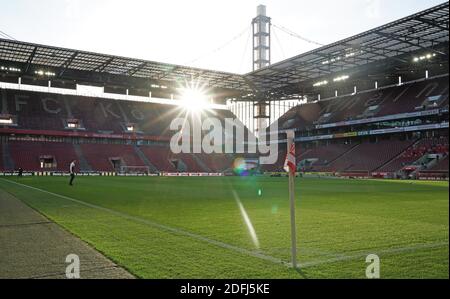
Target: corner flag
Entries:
(289, 163)
(291, 167)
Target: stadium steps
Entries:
(84, 164)
(344, 153)
(430, 165)
(433, 162)
(232, 158)
(179, 165)
(145, 159)
(201, 163)
(397, 156)
(302, 154)
(8, 163)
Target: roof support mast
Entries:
(261, 58)
(261, 39)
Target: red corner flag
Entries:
(289, 163)
(290, 167)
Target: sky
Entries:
(211, 34)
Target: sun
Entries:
(193, 97)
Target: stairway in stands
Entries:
(84, 165)
(8, 163)
(201, 163)
(398, 157)
(343, 154)
(144, 159)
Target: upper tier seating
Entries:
(49, 111)
(408, 98)
(393, 100)
(44, 111)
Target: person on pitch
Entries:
(72, 172)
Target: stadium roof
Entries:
(30, 55)
(426, 30)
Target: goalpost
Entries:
(135, 169)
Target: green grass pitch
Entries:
(166, 227)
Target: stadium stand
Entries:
(393, 100)
(44, 111)
(107, 110)
(110, 157)
(1, 153)
(417, 151)
(365, 157)
(323, 155)
(412, 97)
(188, 163)
(48, 112)
(53, 155)
(442, 165)
(278, 166)
(368, 156)
(159, 156)
(217, 162)
(438, 171)
(98, 115)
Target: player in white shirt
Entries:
(72, 172)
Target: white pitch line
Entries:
(342, 258)
(162, 227)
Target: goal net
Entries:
(135, 169)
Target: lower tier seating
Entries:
(415, 152)
(101, 156)
(54, 155)
(368, 156)
(441, 165)
(324, 154)
(382, 156)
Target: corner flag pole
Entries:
(291, 167)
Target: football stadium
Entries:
(326, 165)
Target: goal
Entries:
(135, 169)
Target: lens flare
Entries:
(274, 209)
(193, 97)
(194, 100)
(239, 167)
